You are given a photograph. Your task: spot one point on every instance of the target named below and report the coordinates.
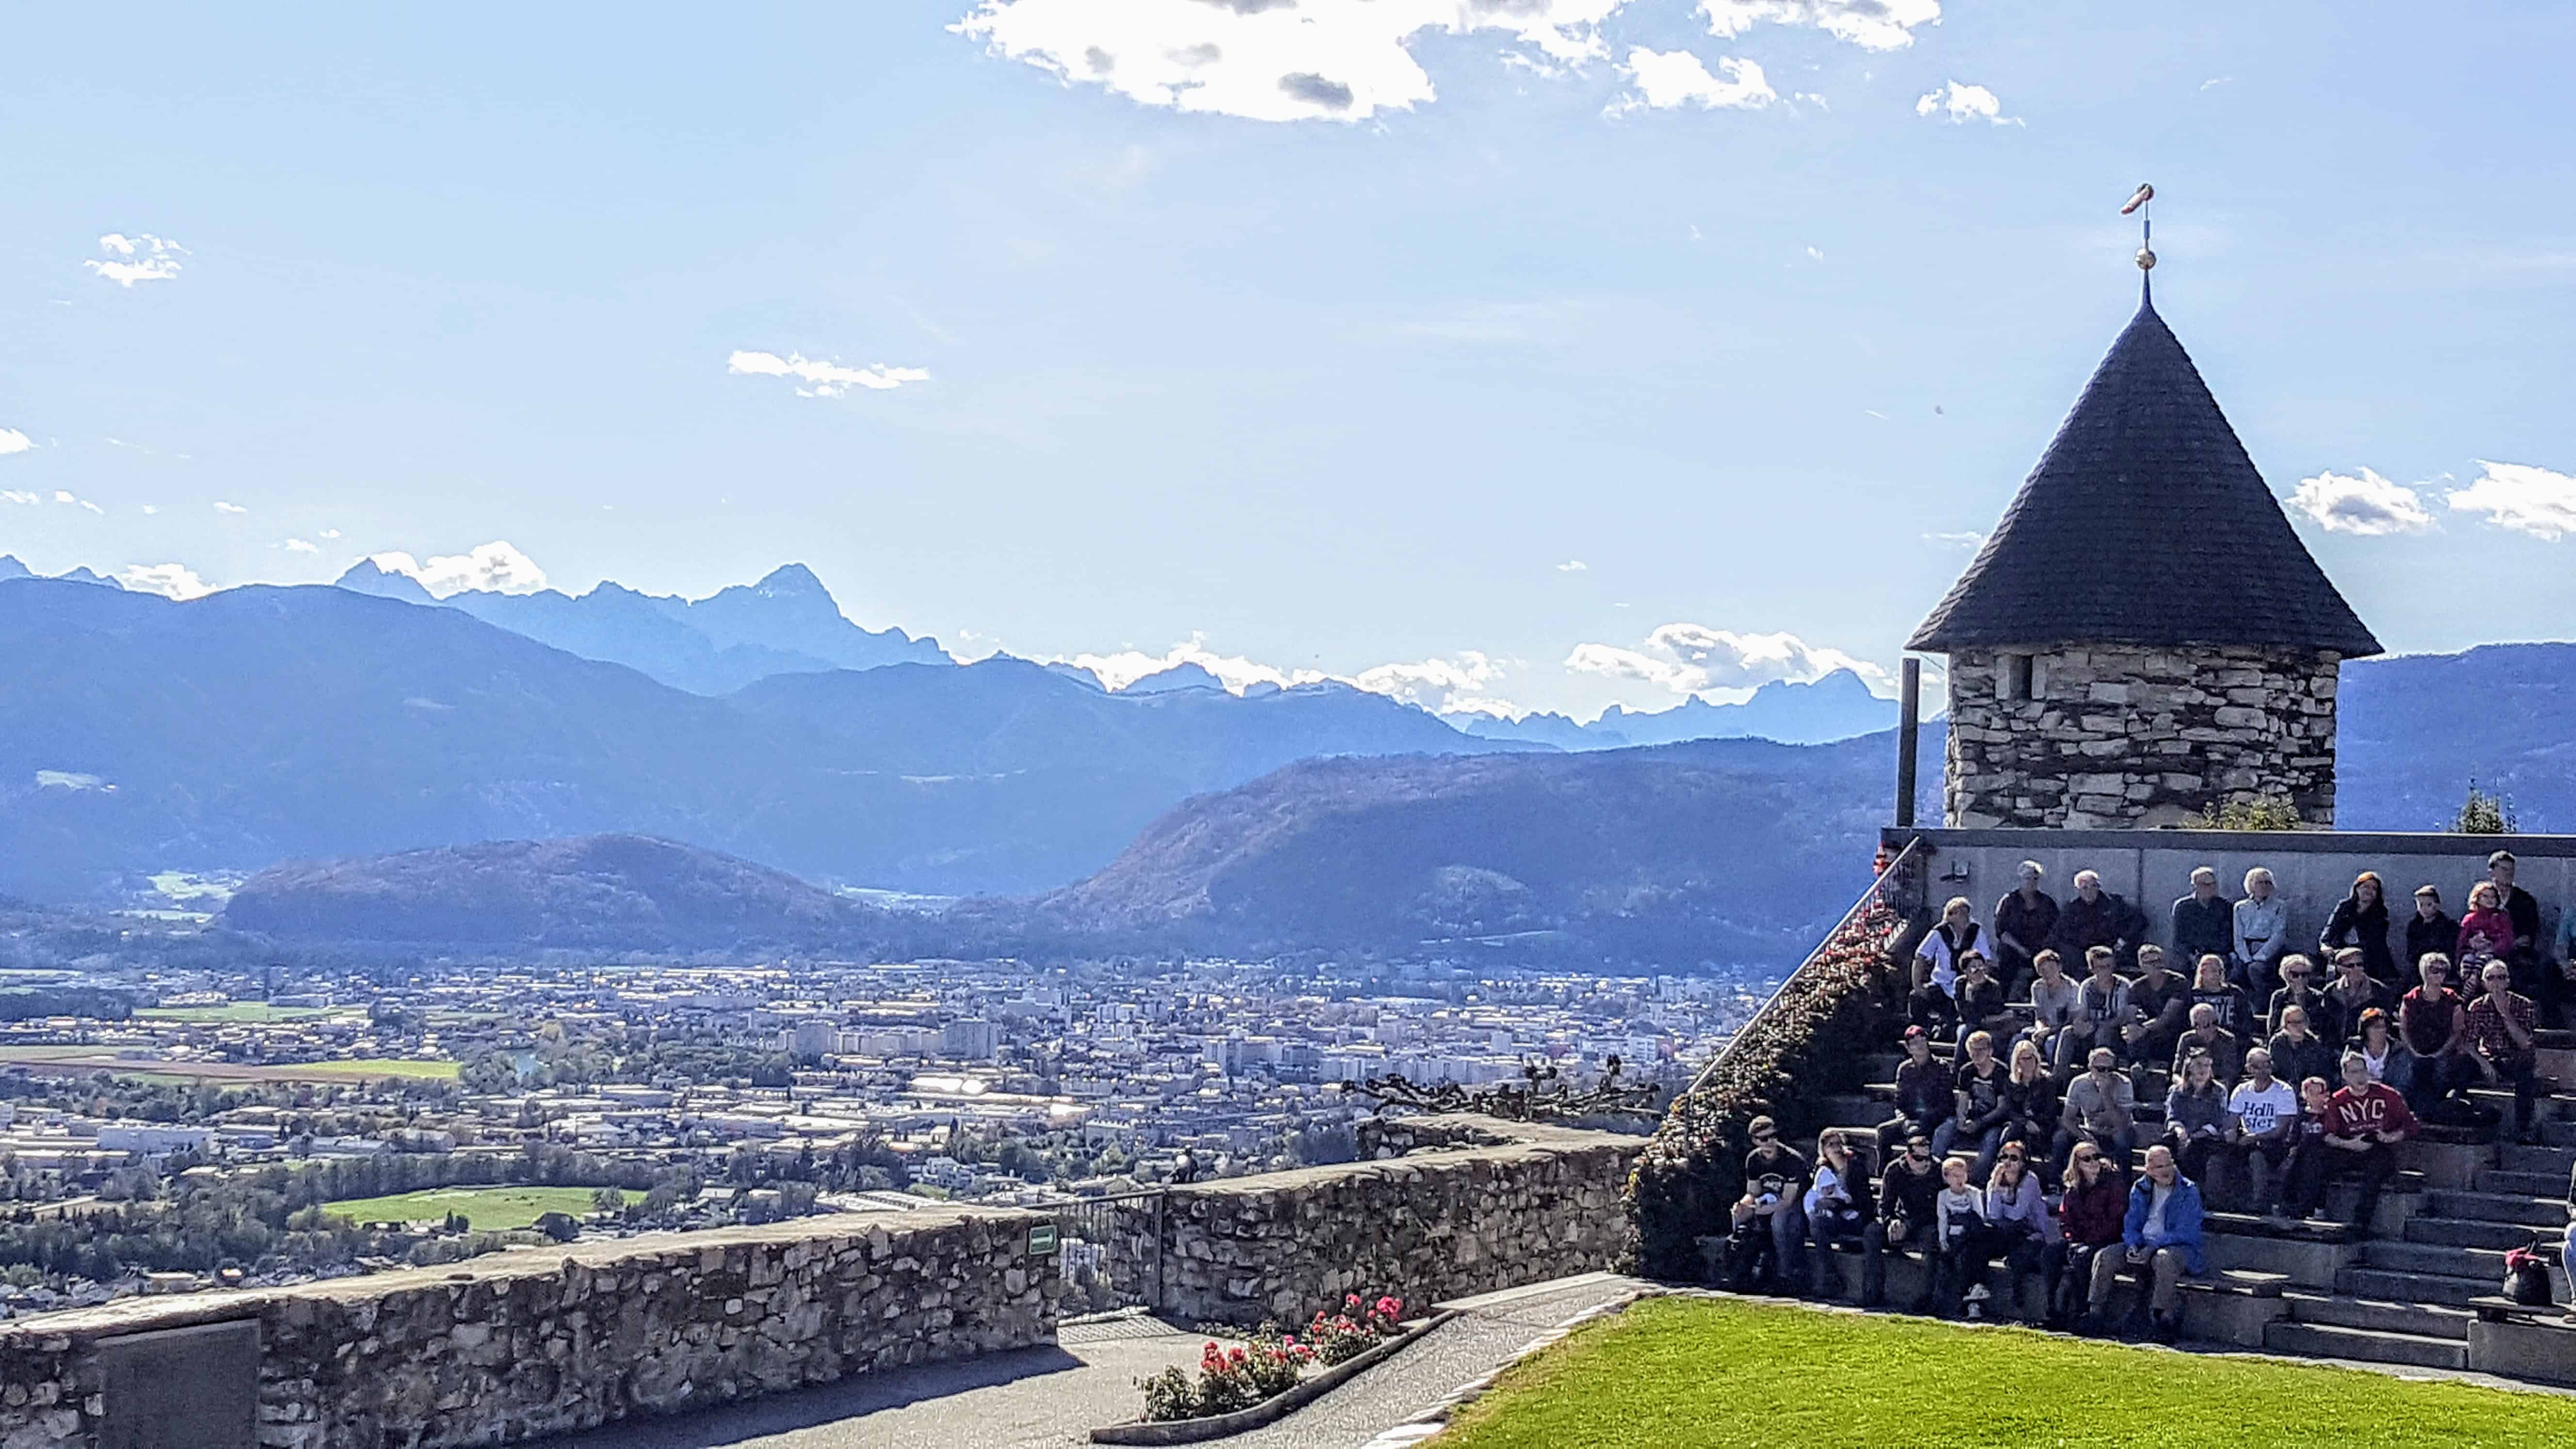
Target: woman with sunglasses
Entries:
(2017, 1226)
(2089, 1217)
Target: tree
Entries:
(608, 1200)
(2485, 814)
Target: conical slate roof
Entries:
(2144, 523)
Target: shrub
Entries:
(2261, 814)
(1270, 1364)
(1809, 1045)
(1359, 1327)
(1170, 1395)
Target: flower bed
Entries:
(1807, 1045)
(1261, 1381)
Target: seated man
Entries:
(2262, 1126)
(2298, 1053)
(2502, 1043)
(2102, 1005)
(2160, 1242)
(2204, 924)
(2433, 1022)
(1984, 1114)
(1925, 1099)
(2208, 1038)
(2364, 1122)
(2024, 918)
(2056, 1004)
(1839, 1211)
(1770, 1215)
(2096, 917)
(2160, 1010)
(2547, 982)
(2354, 991)
(1981, 1003)
(2101, 1108)
(1908, 1190)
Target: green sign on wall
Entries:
(1042, 1240)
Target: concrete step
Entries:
(2550, 1106)
(2558, 1132)
(1850, 1109)
(2483, 1264)
(2557, 1162)
(2546, 1186)
(2468, 1233)
(2396, 1286)
(2424, 1320)
(2368, 1345)
(2537, 1212)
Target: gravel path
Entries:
(1049, 1398)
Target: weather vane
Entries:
(2139, 201)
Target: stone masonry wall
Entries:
(540, 1341)
(2123, 737)
(1443, 1224)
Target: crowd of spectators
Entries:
(2010, 1149)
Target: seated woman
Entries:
(2486, 932)
(2088, 1217)
(2030, 1102)
(2386, 1057)
(1839, 1211)
(2360, 922)
(2017, 1229)
(2196, 1116)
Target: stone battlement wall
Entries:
(1446, 1222)
(521, 1344)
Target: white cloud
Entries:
(1695, 659)
(1275, 60)
(495, 567)
(1444, 686)
(150, 508)
(222, 507)
(2521, 497)
(142, 257)
(1572, 566)
(1959, 103)
(1815, 255)
(297, 545)
(1869, 24)
(1117, 671)
(330, 533)
(825, 379)
(1663, 80)
(1970, 539)
(2368, 505)
(177, 581)
(13, 441)
(60, 496)
(13, 495)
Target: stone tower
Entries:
(2143, 636)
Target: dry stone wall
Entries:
(2122, 737)
(1445, 1222)
(523, 1344)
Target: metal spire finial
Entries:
(2141, 201)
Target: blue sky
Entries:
(1328, 334)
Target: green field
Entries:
(58, 1060)
(234, 1011)
(1677, 1373)
(489, 1209)
(378, 1067)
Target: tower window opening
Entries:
(2019, 676)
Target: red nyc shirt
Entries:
(2375, 1108)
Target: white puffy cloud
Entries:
(142, 257)
(177, 581)
(1443, 686)
(13, 441)
(1695, 659)
(2521, 497)
(495, 567)
(14, 495)
(822, 379)
(1275, 60)
(222, 507)
(1959, 103)
(297, 545)
(2368, 505)
(65, 497)
(1572, 566)
(1663, 80)
(1869, 24)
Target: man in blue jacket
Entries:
(2161, 1238)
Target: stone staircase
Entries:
(2404, 1295)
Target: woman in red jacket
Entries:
(2090, 1217)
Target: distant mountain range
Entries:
(1836, 707)
(265, 724)
(785, 624)
(11, 568)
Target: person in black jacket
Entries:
(2361, 920)
(2031, 1106)
(1983, 1010)
(2161, 1001)
(1839, 1210)
(2549, 984)
(2299, 988)
(1926, 1099)
(2204, 922)
(1907, 1190)
(2096, 917)
(2210, 988)
(1772, 1213)
(2431, 929)
(2024, 920)
(2353, 992)
(1982, 1109)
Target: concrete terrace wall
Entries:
(1446, 1223)
(521, 1344)
(2313, 868)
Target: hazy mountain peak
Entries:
(366, 576)
(10, 568)
(791, 581)
(89, 576)
(1180, 676)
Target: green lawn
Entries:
(376, 1067)
(1672, 1373)
(231, 1011)
(489, 1209)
